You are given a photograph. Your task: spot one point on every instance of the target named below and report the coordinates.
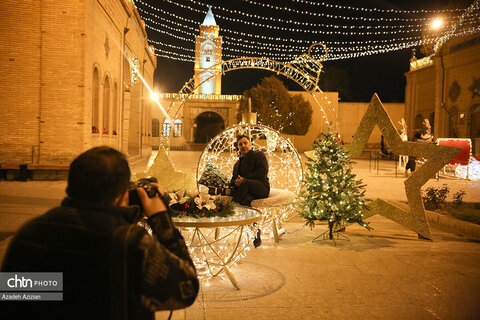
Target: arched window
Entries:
(115, 110)
(177, 128)
(95, 98)
(155, 127)
(167, 127)
(106, 105)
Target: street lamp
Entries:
(437, 24)
(154, 96)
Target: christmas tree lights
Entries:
(331, 191)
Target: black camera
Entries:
(224, 191)
(145, 183)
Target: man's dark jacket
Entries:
(253, 165)
(77, 239)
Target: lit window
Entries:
(167, 127)
(177, 128)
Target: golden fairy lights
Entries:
(214, 97)
(217, 244)
(341, 7)
(416, 64)
(240, 44)
(293, 10)
(285, 168)
(304, 70)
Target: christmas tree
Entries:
(331, 191)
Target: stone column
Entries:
(125, 120)
(409, 103)
(439, 128)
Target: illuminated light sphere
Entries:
(285, 167)
(437, 24)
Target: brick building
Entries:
(72, 79)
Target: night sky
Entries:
(382, 73)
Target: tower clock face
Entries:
(207, 55)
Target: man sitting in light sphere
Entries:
(250, 180)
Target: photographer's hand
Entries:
(239, 180)
(152, 205)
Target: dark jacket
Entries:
(77, 239)
(253, 165)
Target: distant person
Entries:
(84, 238)
(411, 163)
(249, 180)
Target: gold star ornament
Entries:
(412, 215)
(162, 169)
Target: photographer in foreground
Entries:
(112, 268)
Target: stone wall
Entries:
(349, 115)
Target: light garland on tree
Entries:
(331, 191)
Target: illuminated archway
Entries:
(304, 70)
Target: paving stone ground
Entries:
(387, 273)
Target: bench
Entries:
(22, 172)
(48, 171)
(276, 208)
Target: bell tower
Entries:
(208, 53)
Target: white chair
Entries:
(275, 209)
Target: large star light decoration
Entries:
(412, 216)
(170, 179)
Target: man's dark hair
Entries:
(98, 175)
(241, 136)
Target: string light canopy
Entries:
(304, 70)
(265, 29)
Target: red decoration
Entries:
(463, 156)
